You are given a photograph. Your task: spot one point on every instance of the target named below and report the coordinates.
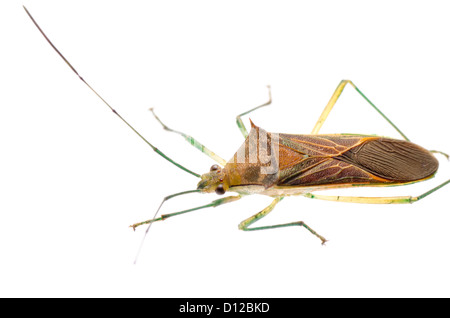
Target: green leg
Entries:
(333, 100)
(376, 200)
(441, 153)
(244, 225)
(213, 204)
(239, 121)
(193, 142)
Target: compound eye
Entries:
(214, 168)
(220, 190)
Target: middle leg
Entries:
(244, 225)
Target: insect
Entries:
(280, 165)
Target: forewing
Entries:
(396, 160)
(311, 160)
(338, 159)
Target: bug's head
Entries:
(214, 181)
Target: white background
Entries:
(73, 177)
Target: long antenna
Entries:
(107, 104)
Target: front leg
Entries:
(194, 142)
(239, 121)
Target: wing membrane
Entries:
(396, 160)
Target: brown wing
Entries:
(325, 171)
(396, 160)
(303, 160)
(333, 159)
